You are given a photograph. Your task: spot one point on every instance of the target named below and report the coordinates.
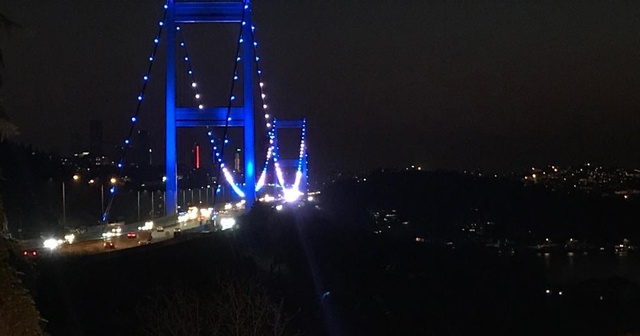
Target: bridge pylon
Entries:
(241, 116)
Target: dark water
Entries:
(562, 267)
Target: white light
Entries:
(264, 106)
(51, 243)
(263, 96)
(291, 195)
(197, 96)
(227, 223)
(70, 238)
(279, 207)
(310, 198)
(194, 84)
(261, 84)
(228, 206)
(164, 179)
(201, 106)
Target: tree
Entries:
(7, 128)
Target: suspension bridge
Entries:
(217, 120)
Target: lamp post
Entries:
(76, 177)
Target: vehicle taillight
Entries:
(25, 252)
(34, 253)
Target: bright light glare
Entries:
(70, 238)
(279, 207)
(51, 243)
(206, 212)
(227, 223)
(228, 206)
(291, 195)
(310, 198)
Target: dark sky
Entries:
(444, 84)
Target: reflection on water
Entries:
(564, 267)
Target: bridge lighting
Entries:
(200, 106)
(112, 190)
(126, 141)
(197, 96)
(161, 23)
(186, 58)
(150, 58)
(182, 45)
(240, 41)
(156, 40)
(133, 119)
(139, 97)
(145, 78)
(233, 98)
(194, 84)
(113, 180)
(76, 177)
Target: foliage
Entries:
(237, 307)
(18, 315)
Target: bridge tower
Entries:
(242, 116)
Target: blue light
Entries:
(156, 40)
(233, 98)
(235, 77)
(133, 119)
(112, 190)
(259, 72)
(241, 40)
(182, 44)
(244, 23)
(186, 58)
(165, 6)
(238, 59)
(139, 97)
(190, 72)
(161, 23)
(255, 44)
(177, 27)
(119, 165)
(126, 141)
(226, 141)
(146, 78)
(246, 6)
(209, 133)
(211, 141)
(151, 58)
(228, 119)
(257, 58)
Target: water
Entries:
(569, 267)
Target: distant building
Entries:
(95, 137)
(75, 142)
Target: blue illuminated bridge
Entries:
(247, 80)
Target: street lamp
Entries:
(76, 177)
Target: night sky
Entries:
(492, 85)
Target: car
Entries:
(159, 229)
(109, 245)
(30, 253)
(132, 235)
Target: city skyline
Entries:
(470, 85)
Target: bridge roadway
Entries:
(92, 240)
